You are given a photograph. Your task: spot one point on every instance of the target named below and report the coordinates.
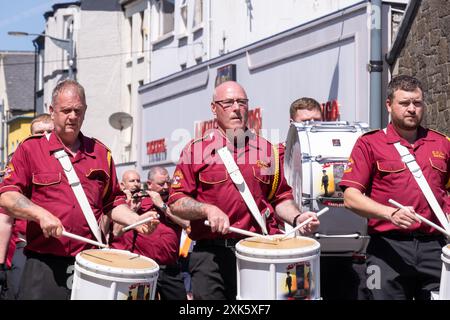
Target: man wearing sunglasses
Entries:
(203, 190)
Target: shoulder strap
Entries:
(239, 181)
(417, 173)
(77, 189)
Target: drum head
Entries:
(117, 259)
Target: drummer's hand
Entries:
(117, 229)
(218, 220)
(311, 227)
(156, 198)
(403, 218)
(150, 226)
(133, 203)
(51, 226)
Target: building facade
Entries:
(16, 99)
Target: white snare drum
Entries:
(278, 270)
(317, 154)
(111, 274)
(444, 288)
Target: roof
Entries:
(57, 6)
(19, 77)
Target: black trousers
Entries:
(46, 277)
(343, 278)
(170, 285)
(404, 267)
(213, 273)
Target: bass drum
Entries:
(315, 159)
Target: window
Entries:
(130, 35)
(68, 34)
(143, 31)
(164, 9)
(198, 13)
(129, 98)
(184, 17)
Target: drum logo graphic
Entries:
(328, 183)
(298, 284)
(139, 291)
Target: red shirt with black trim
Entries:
(201, 175)
(162, 245)
(36, 173)
(375, 168)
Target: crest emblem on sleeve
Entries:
(177, 177)
(8, 171)
(348, 166)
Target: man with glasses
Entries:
(203, 190)
(404, 253)
(164, 243)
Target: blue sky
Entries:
(22, 15)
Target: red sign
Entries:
(157, 150)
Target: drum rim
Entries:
(446, 250)
(85, 263)
(279, 253)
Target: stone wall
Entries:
(426, 55)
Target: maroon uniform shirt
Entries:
(376, 169)
(36, 173)
(162, 245)
(200, 174)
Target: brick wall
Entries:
(426, 55)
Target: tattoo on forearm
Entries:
(188, 208)
(22, 203)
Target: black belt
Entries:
(409, 235)
(226, 243)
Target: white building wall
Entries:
(100, 70)
(136, 67)
(55, 60)
(325, 60)
(229, 25)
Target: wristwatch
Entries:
(164, 207)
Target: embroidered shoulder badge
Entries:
(177, 177)
(348, 165)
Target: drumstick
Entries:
(243, 232)
(131, 226)
(428, 222)
(304, 223)
(83, 239)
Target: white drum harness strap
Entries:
(77, 188)
(241, 185)
(417, 173)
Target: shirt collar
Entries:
(393, 136)
(250, 141)
(86, 145)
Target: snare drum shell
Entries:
(262, 273)
(94, 281)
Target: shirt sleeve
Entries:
(17, 174)
(358, 171)
(184, 181)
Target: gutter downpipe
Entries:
(36, 51)
(375, 66)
